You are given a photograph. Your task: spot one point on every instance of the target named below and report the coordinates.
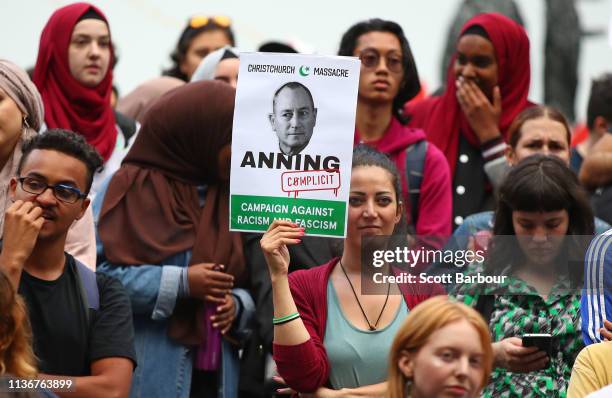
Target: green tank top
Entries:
(357, 357)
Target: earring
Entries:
(408, 388)
(25, 122)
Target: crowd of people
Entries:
(119, 275)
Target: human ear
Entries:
(271, 119)
(399, 211)
(406, 364)
(510, 156)
(600, 126)
(84, 207)
(182, 64)
(12, 188)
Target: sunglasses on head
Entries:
(198, 21)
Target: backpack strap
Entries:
(127, 126)
(88, 287)
(415, 163)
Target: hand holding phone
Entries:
(511, 354)
(543, 341)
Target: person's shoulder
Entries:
(312, 276)
(415, 108)
(108, 283)
(479, 221)
(600, 226)
(436, 161)
(111, 291)
(601, 245)
(310, 273)
(434, 153)
(595, 353)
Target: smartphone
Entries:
(541, 340)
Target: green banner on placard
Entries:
(256, 213)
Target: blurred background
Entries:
(145, 31)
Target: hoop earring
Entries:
(26, 125)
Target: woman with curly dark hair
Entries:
(202, 35)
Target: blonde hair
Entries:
(421, 322)
(16, 355)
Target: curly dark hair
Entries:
(180, 51)
(411, 85)
(66, 142)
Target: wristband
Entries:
(284, 319)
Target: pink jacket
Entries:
(435, 202)
(305, 366)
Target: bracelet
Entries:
(284, 319)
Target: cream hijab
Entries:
(16, 83)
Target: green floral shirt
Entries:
(520, 310)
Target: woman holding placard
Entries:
(324, 325)
(388, 79)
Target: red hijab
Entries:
(442, 117)
(68, 103)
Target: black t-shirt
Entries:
(63, 341)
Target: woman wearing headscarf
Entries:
(21, 117)
(164, 230)
(221, 64)
(487, 87)
(74, 76)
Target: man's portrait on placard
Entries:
(293, 117)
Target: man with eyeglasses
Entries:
(293, 117)
(93, 344)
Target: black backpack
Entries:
(415, 163)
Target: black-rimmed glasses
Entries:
(62, 192)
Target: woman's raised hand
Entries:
(274, 245)
(482, 115)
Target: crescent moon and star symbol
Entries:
(304, 70)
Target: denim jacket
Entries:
(165, 366)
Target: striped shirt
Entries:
(596, 302)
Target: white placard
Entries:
(292, 141)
